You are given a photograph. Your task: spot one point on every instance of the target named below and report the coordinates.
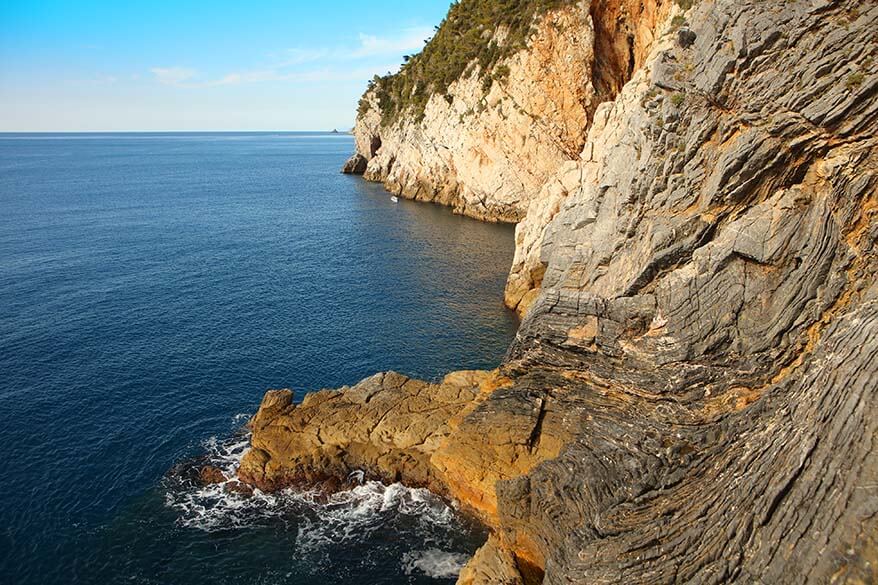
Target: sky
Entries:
(127, 65)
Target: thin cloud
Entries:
(173, 75)
(292, 57)
(326, 64)
(325, 74)
(411, 39)
(97, 80)
(408, 40)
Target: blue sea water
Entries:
(152, 287)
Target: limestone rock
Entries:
(387, 426)
(486, 152)
(489, 145)
(491, 565)
(503, 435)
(706, 288)
(274, 403)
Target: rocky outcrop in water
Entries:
(692, 394)
(356, 165)
(387, 427)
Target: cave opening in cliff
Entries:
(374, 145)
(617, 48)
(631, 60)
(531, 573)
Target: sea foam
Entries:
(435, 563)
(320, 520)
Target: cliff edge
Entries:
(496, 102)
(693, 393)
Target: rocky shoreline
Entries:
(692, 393)
(387, 427)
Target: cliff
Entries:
(692, 394)
(522, 89)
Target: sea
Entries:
(152, 288)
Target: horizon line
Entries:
(333, 131)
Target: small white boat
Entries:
(394, 198)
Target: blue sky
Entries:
(219, 65)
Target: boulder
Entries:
(210, 474)
(356, 165)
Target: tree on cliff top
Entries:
(467, 38)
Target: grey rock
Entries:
(356, 165)
(727, 400)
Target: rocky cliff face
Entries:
(692, 395)
(486, 146)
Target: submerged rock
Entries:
(237, 487)
(210, 474)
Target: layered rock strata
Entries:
(692, 396)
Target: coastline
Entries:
(156, 285)
(699, 322)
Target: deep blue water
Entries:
(152, 287)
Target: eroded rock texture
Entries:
(708, 287)
(692, 396)
(387, 426)
(492, 563)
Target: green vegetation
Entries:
(677, 99)
(854, 80)
(685, 4)
(465, 39)
(648, 96)
(678, 21)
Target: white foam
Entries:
(435, 563)
(346, 516)
(211, 507)
(352, 515)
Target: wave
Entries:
(435, 563)
(323, 522)
(355, 514)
